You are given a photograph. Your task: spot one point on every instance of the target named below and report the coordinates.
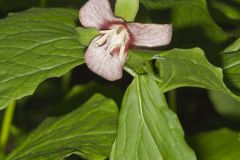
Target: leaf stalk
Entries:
(6, 125)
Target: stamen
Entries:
(101, 40)
(107, 31)
(116, 39)
(121, 52)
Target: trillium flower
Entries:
(108, 51)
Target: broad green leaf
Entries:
(231, 65)
(222, 144)
(127, 9)
(189, 13)
(80, 93)
(225, 105)
(189, 67)
(86, 35)
(233, 47)
(35, 45)
(148, 129)
(138, 61)
(179, 68)
(88, 131)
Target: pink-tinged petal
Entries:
(105, 65)
(97, 13)
(150, 35)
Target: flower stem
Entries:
(7, 120)
(172, 97)
(66, 79)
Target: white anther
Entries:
(101, 40)
(115, 38)
(107, 31)
(121, 52)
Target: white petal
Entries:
(97, 13)
(150, 35)
(105, 65)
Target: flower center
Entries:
(116, 40)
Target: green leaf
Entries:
(89, 131)
(189, 67)
(225, 105)
(86, 35)
(230, 11)
(35, 45)
(188, 14)
(222, 144)
(138, 61)
(127, 9)
(179, 68)
(80, 93)
(231, 65)
(148, 129)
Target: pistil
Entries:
(116, 39)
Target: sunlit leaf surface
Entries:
(35, 45)
(231, 65)
(222, 144)
(181, 68)
(148, 129)
(127, 9)
(88, 131)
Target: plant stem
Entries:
(42, 3)
(66, 79)
(7, 120)
(172, 95)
